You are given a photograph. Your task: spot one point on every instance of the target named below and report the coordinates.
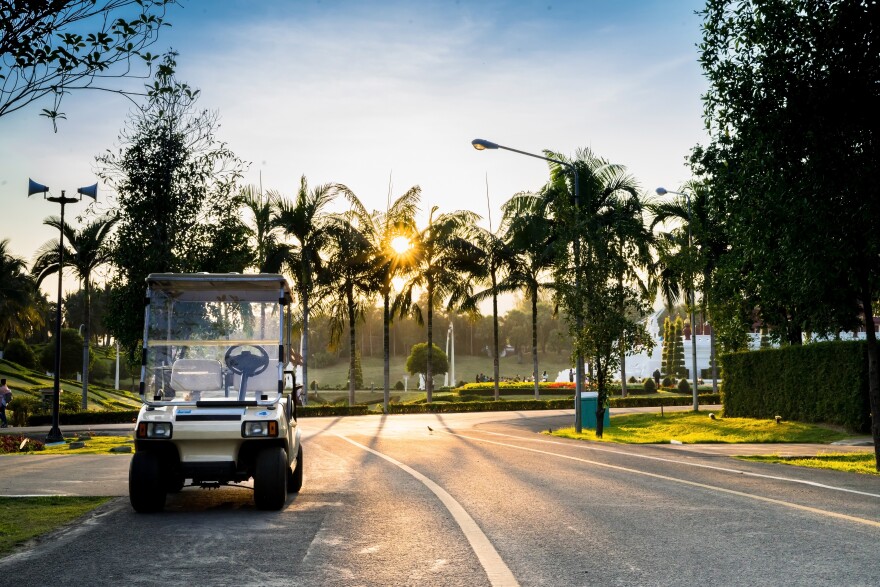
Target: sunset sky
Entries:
(363, 92)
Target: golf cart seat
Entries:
(196, 375)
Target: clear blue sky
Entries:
(359, 91)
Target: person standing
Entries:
(5, 398)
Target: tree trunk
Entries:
(873, 368)
(429, 375)
(85, 355)
(352, 345)
(602, 396)
(386, 348)
(304, 347)
(495, 365)
(534, 294)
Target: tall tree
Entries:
(21, 310)
(268, 252)
(86, 250)
(496, 257)
(608, 307)
(303, 221)
(176, 200)
(49, 49)
(390, 234)
(794, 91)
(351, 278)
(530, 233)
(442, 256)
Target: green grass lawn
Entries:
(95, 445)
(23, 518)
(694, 428)
(860, 462)
(466, 369)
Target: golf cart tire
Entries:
(295, 477)
(270, 479)
(146, 489)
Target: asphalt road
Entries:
(479, 499)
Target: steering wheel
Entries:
(246, 363)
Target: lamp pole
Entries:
(55, 434)
(480, 145)
(661, 191)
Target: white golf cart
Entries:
(219, 406)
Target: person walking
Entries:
(5, 398)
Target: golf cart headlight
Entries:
(260, 429)
(158, 430)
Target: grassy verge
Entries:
(94, 445)
(860, 462)
(23, 518)
(694, 428)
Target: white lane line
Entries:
(689, 464)
(788, 504)
(498, 572)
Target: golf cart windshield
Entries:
(216, 339)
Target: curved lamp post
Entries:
(661, 191)
(481, 145)
(91, 191)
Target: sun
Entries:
(400, 244)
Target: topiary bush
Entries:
(398, 386)
(684, 386)
(650, 386)
(667, 382)
(18, 351)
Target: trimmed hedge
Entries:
(130, 416)
(824, 382)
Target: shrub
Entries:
(398, 386)
(314, 385)
(667, 382)
(650, 386)
(98, 370)
(19, 352)
(22, 407)
(71, 353)
(684, 386)
(633, 379)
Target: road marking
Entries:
(498, 572)
(788, 504)
(690, 464)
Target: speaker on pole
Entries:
(36, 188)
(90, 191)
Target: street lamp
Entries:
(481, 145)
(661, 191)
(91, 191)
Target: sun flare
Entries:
(400, 244)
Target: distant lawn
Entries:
(467, 367)
(697, 428)
(859, 462)
(23, 518)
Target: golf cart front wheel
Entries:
(270, 479)
(146, 489)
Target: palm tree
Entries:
(529, 232)
(85, 251)
(304, 222)
(269, 251)
(390, 234)
(595, 225)
(678, 261)
(442, 255)
(497, 256)
(20, 312)
(351, 277)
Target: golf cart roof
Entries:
(256, 287)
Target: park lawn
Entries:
(93, 446)
(697, 428)
(859, 462)
(23, 518)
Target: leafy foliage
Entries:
(417, 362)
(18, 351)
(178, 209)
(48, 49)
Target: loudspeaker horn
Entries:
(90, 191)
(36, 188)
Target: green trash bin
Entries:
(589, 404)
